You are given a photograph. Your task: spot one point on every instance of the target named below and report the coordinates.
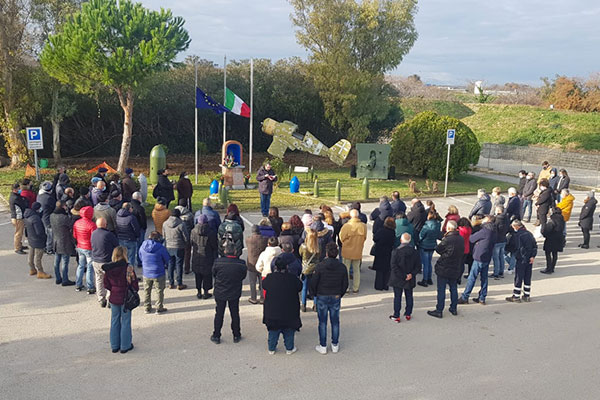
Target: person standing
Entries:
(483, 205)
(263, 264)
(27, 193)
(288, 236)
(417, 216)
(160, 214)
(513, 208)
(329, 284)
(155, 260)
(497, 198)
(464, 230)
(502, 224)
(164, 187)
(397, 204)
(62, 227)
(176, 239)
(118, 277)
(292, 264)
(276, 220)
(452, 215)
(128, 186)
(448, 269)
(310, 253)
(104, 242)
(545, 172)
(566, 206)
(18, 205)
(384, 242)
(82, 232)
(255, 244)
(229, 272)
(140, 214)
(128, 231)
(231, 231)
(47, 201)
(544, 202)
(402, 227)
(586, 218)
(353, 235)
(214, 219)
(522, 182)
(266, 177)
(281, 313)
(483, 243)
(143, 186)
(204, 251)
(428, 237)
(185, 191)
(104, 210)
(528, 192)
(188, 220)
(405, 265)
(563, 183)
(523, 245)
(379, 214)
(36, 234)
(101, 174)
(555, 240)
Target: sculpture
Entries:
(285, 136)
(372, 160)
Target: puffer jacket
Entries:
(204, 249)
(154, 257)
(36, 234)
(108, 213)
(429, 235)
(48, 202)
(160, 214)
(115, 280)
(483, 242)
(482, 207)
(263, 264)
(566, 206)
(175, 233)
(128, 227)
(83, 228)
(352, 235)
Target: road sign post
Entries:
(450, 136)
(35, 143)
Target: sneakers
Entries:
(395, 319)
(510, 272)
(91, 291)
(252, 301)
(215, 340)
(161, 310)
(321, 349)
(20, 251)
(292, 351)
(335, 348)
(271, 352)
(79, 288)
(43, 275)
(513, 299)
(434, 313)
(463, 301)
(408, 317)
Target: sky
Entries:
(496, 41)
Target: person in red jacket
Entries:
(119, 275)
(27, 193)
(82, 232)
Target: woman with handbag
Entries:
(122, 283)
(310, 253)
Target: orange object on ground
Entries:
(30, 171)
(110, 169)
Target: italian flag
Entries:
(236, 105)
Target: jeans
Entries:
(65, 269)
(353, 267)
(176, 261)
(159, 285)
(510, 260)
(234, 311)
(85, 265)
(477, 269)
(49, 244)
(329, 305)
(120, 327)
(288, 338)
(498, 257)
(441, 293)
(408, 293)
(306, 289)
(426, 256)
(138, 244)
(523, 278)
(527, 204)
(265, 204)
(253, 277)
(131, 246)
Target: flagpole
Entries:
(224, 95)
(196, 121)
(251, 110)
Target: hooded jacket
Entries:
(451, 250)
(108, 213)
(83, 228)
(405, 260)
(417, 216)
(103, 244)
(36, 234)
(18, 205)
(402, 227)
(330, 278)
(352, 235)
(483, 243)
(164, 188)
(175, 233)
(160, 214)
(553, 180)
(204, 249)
(465, 234)
(566, 206)
(154, 257)
(29, 196)
(263, 264)
(255, 244)
(62, 232)
(482, 207)
(115, 280)
(48, 202)
(429, 235)
(128, 227)
(398, 206)
(282, 307)
(379, 215)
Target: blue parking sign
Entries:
(450, 136)
(34, 139)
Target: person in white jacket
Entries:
(263, 264)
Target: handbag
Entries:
(373, 250)
(132, 299)
(307, 266)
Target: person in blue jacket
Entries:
(155, 259)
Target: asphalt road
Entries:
(54, 341)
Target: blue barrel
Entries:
(214, 187)
(294, 185)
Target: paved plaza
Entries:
(54, 341)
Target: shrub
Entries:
(78, 178)
(280, 168)
(419, 146)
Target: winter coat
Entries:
(405, 260)
(482, 207)
(185, 189)
(402, 227)
(330, 278)
(115, 204)
(501, 223)
(263, 264)
(553, 180)
(544, 202)
(186, 217)
(289, 237)
(140, 214)
(240, 221)
(563, 183)
(586, 217)
(231, 229)
(353, 235)
(267, 231)
(154, 258)
(164, 188)
(48, 202)
(282, 305)
(529, 189)
(276, 223)
(449, 217)
(465, 234)
(513, 209)
(294, 266)
(483, 243)
(379, 215)
(417, 217)
(128, 188)
(398, 206)
(429, 235)
(18, 205)
(83, 228)
(553, 232)
(62, 232)
(566, 206)
(384, 241)
(108, 213)
(94, 196)
(160, 214)
(451, 250)
(204, 249)
(62, 184)
(214, 219)
(115, 280)
(544, 174)
(521, 186)
(309, 260)
(128, 227)
(265, 185)
(29, 196)
(103, 243)
(522, 245)
(176, 234)
(34, 227)
(229, 272)
(255, 244)
(498, 201)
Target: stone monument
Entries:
(231, 165)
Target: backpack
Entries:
(227, 236)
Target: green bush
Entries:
(281, 169)
(419, 146)
(79, 178)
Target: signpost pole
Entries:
(37, 167)
(447, 168)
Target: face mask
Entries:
(528, 177)
(186, 177)
(542, 187)
(553, 175)
(521, 176)
(132, 175)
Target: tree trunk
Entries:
(55, 120)
(126, 100)
(14, 145)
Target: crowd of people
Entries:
(312, 256)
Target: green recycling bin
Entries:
(44, 163)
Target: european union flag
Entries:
(205, 101)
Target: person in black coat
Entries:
(417, 216)
(563, 183)
(63, 242)
(523, 245)
(356, 206)
(379, 215)
(513, 208)
(47, 202)
(288, 236)
(555, 240)
(405, 265)
(229, 272)
(36, 235)
(544, 202)
(586, 218)
(204, 252)
(384, 241)
(185, 190)
(397, 204)
(164, 187)
(448, 269)
(18, 205)
(281, 313)
(522, 182)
